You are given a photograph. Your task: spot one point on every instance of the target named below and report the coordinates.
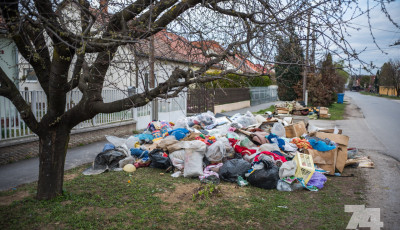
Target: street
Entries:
(372, 124)
(382, 117)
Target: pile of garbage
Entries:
(296, 108)
(265, 152)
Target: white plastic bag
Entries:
(119, 142)
(116, 141)
(125, 161)
(178, 159)
(216, 151)
(131, 141)
(260, 119)
(278, 130)
(194, 154)
(181, 123)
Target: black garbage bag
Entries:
(158, 160)
(107, 160)
(266, 178)
(233, 168)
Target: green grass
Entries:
(337, 111)
(158, 201)
(263, 111)
(377, 95)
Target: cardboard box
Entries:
(343, 142)
(282, 111)
(325, 116)
(325, 160)
(295, 130)
(323, 111)
(330, 131)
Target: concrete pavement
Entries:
(27, 171)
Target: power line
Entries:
(391, 31)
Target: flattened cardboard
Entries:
(325, 160)
(295, 130)
(337, 138)
(343, 141)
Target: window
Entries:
(30, 75)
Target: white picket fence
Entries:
(12, 126)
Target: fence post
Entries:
(33, 103)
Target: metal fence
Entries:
(203, 99)
(12, 126)
(260, 95)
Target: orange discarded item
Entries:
(301, 143)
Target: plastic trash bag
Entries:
(117, 141)
(182, 123)
(194, 154)
(244, 120)
(318, 180)
(176, 174)
(233, 168)
(125, 161)
(216, 151)
(207, 118)
(242, 182)
(232, 135)
(229, 150)
(287, 169)
(158, 160)
(260, 119)
(104, 161)
(285, 187)
(178, 159)
(246, 142)
(266, 178)
(278, 130)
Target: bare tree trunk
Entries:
(52, 152)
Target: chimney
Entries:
(104, 6)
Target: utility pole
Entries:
(314, 41)
(154, 104)
(306, 62)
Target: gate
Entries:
(200, 100)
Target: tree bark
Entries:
(52, 151)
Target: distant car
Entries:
(356, 88)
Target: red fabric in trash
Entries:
(240, 149)
(274, 155)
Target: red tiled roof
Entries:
(173, 47)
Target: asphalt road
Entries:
(382, 116)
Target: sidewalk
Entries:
(26, 171)
(252, 109)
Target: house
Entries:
(131, 65)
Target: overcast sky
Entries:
(384, 31)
